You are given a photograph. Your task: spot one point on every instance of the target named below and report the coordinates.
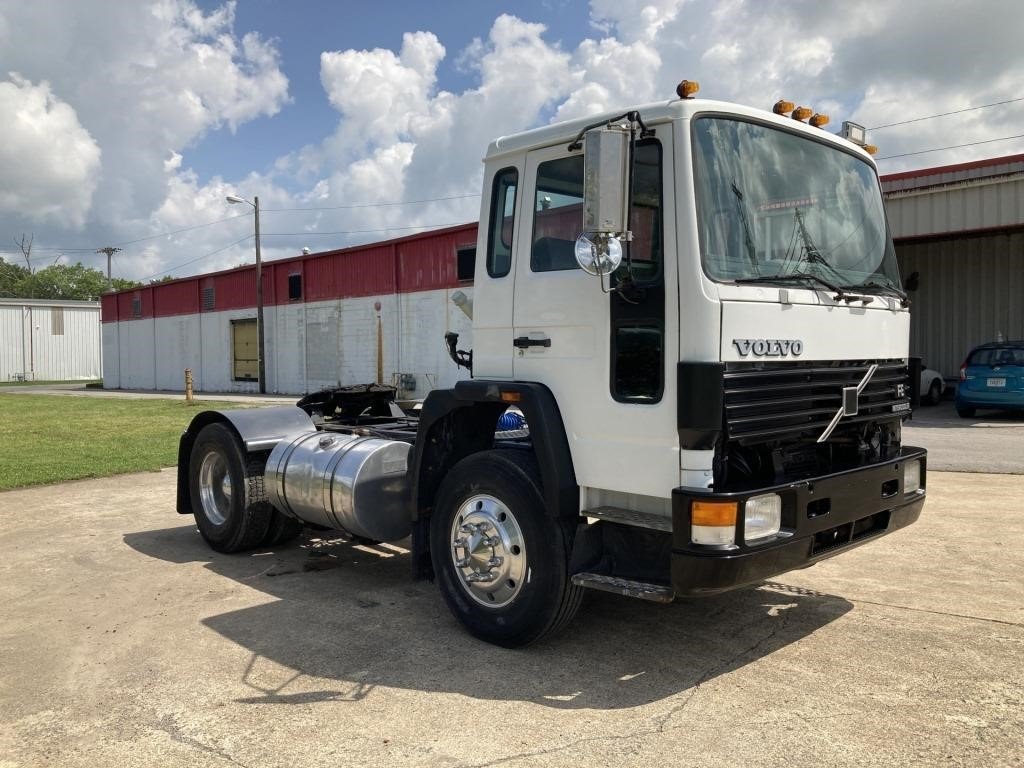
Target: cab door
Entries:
(608, 358)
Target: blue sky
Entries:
(127, 123)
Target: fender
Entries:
(258, 429)
(455, 423)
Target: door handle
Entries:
(522, 342)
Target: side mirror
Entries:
(606, 165)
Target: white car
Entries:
(932, 386)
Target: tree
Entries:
(75, 281)
(12, 279)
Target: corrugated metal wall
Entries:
(49, 342)
(977, 204)
(971, 288)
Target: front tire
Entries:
(934, 393)
(226, 487)
(501, 561)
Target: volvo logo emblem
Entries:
(769, 347)
(851, 402)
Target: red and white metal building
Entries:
(332, 318)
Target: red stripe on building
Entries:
(421, 262)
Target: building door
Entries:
(245, 351)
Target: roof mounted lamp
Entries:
(687, 88)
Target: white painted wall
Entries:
(32, 346)
(309, 346)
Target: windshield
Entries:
(772, 203)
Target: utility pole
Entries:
(110, 251)
(255, 203)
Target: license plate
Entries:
(996, 382)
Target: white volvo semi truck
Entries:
(694, 312)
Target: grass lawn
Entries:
(52, 438)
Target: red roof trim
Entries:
(987, 163)
(420, 262)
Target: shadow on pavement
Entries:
(349, 618)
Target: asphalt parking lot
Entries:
(993, 441)
(126, 642)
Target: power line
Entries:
(945, 114)
(168, 270)
(955, 146)
(374, 205)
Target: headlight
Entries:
(912, 476)
(762, 517)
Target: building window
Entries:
(294, 287)
(244, 350)
(136, 306)
(466, 262)
(57, 321)
(208, 299)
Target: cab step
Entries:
(655, 593)
(630, 517)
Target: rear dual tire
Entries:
(228, 500)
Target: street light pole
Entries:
(259, 292)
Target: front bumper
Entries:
(821, 517)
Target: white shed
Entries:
(49, 340)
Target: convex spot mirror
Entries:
(598, 254)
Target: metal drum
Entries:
(354, 483)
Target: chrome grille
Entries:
(770, 401)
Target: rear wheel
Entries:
(965, 413)
(934, 392)
(501, 561)
(226, 487)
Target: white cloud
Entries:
(146, 83)
(48, 161)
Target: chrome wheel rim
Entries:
(488, 551)
(215, 488)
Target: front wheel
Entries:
(500, 560)
(934, 393)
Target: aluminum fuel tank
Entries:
(342, 481)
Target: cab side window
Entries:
(503, 208)
(557, 214)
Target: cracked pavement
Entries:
(126, 642)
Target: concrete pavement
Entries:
(126, 642)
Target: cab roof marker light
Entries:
(802, 113)
(687, 88)
(819, 120)
(783, 107)
(871, 149)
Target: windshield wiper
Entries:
(872, 286)
(802, 277)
